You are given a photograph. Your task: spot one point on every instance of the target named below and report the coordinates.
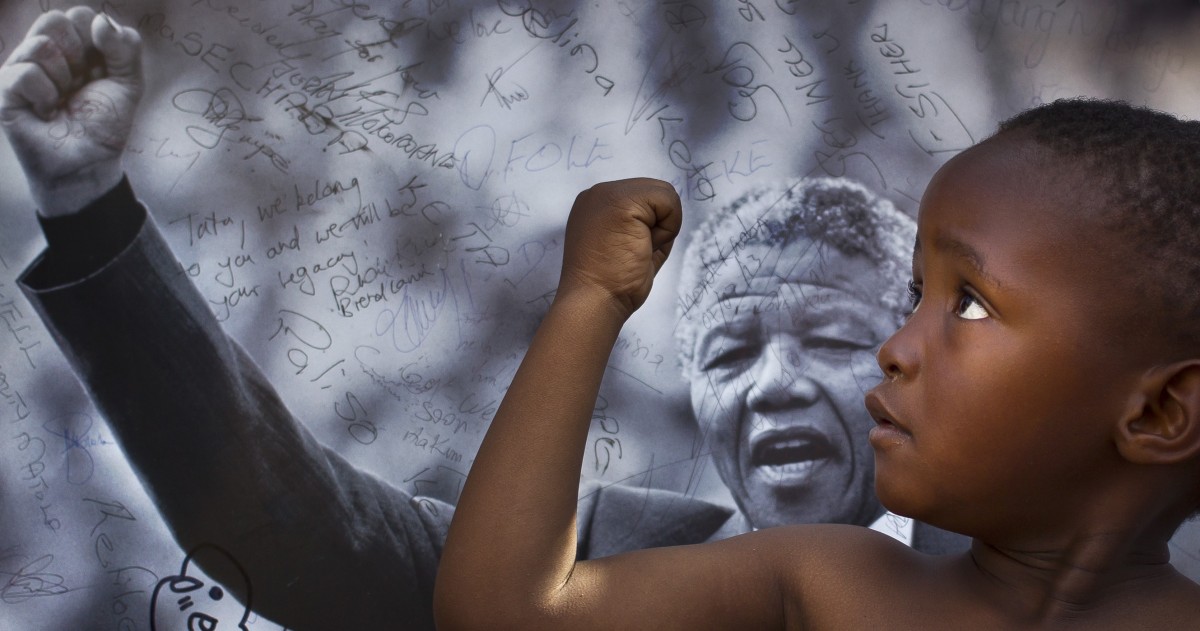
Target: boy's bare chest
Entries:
(918, 598)
(936, 612)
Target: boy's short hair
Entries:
(835, 212)
(1147, 163)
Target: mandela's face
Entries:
(785, 352)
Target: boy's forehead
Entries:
(996, 159)
(1015, 177)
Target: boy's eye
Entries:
(914, 295)
(970, 309)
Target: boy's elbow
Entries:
(450, 613)
(458, 606)
(453, 608)
(464, 613)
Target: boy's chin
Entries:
(908, 502)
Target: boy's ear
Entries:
(1166, 427)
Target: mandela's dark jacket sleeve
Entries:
(326, 546)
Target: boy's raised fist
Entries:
(618, 236)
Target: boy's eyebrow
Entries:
(964, 251)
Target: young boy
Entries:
(1042, 398)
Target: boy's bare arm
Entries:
(526, 474)
(509, 561)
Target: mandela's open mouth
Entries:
(790, 452)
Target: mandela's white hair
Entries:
(825, 211)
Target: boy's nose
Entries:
(898, 357)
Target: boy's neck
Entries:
(1086, 571)
(1110, 552)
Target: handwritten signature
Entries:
(221, 109)
(76, 445)
(31, 581)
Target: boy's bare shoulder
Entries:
(1174, 605)
(838, 576)
(853, 552)
(853, 546)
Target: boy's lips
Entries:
(886, 424)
